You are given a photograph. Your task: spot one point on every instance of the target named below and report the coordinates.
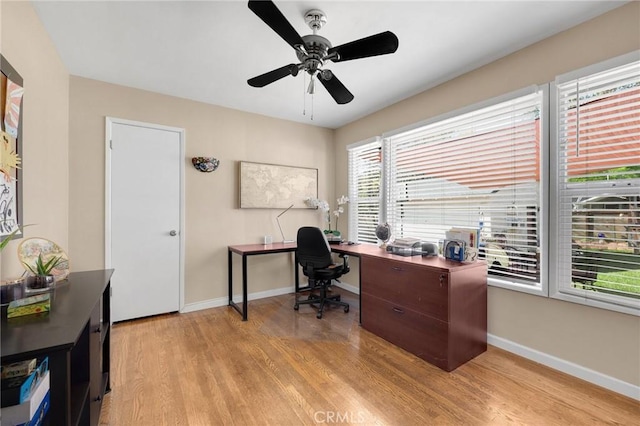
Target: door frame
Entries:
(109, 122)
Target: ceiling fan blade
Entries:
(336, 89)
(271, 15)
(378, 44)
(275, 75)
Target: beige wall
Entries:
(213, 219)
(604, 341)
(25, 44)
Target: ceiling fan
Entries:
(314, 50)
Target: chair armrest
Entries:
(345, 263)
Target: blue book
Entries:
(43, 408)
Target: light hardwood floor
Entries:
(284, 367)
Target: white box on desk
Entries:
(23, 413)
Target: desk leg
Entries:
(360, 290)
(233, 304)
(244, 287)
(230, 274)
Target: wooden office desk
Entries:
(246, 250)
(429, 306)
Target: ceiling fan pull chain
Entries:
(304, 94)
(311, 90)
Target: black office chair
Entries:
(314, 256)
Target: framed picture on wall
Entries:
(11, 91)
(274, 186)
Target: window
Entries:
(563, 221)
(597, 193)
(365, 180)
(478, 169)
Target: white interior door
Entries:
(144, 218)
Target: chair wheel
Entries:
(319, 315)
(346, 309)
(296, 307)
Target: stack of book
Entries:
(24, 392)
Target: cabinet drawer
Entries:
(410, 286)
(419, 334)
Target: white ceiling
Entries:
(206, 50)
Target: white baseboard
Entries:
(205, 304)
(348, 287)
(584, 373)
(224, 301)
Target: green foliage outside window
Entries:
(626, 172)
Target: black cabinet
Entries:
(75, 336)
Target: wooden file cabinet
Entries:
(431, 307)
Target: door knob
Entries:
(173, 233)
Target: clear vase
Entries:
(40, 282)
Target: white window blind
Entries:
(480, 169)
(598, 194)
(365, 180)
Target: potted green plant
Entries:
(42, 277)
